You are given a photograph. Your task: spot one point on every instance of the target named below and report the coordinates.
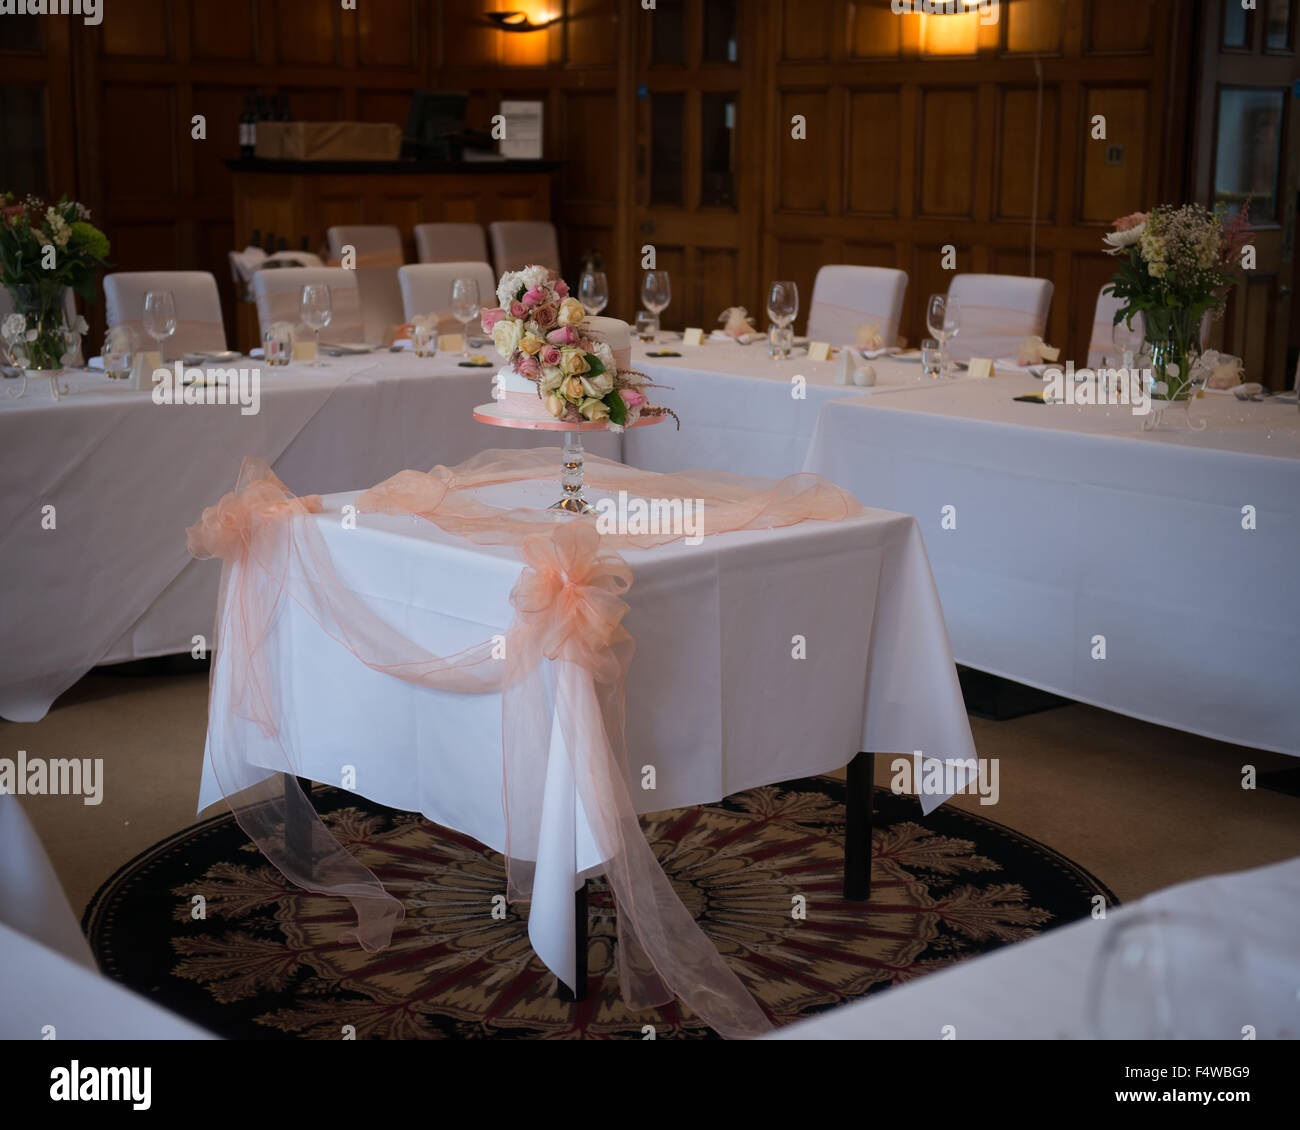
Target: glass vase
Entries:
(44, 306)
(1173, 345)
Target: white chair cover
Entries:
(426, 287)
(997, 313)
(376, 245)
(199, 323)
(378, 249)
(279, 295)
(523, 243)
(451, 243)
(7, 308)
(846, 297)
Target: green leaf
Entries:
(617, 408)
(596, 366)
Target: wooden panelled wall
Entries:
(921, 130)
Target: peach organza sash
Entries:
(568, 609)
(346, 322)
(192, 334)
(992, 331)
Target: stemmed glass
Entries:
(316, 313)
(1128, 342)
(782, 309)
(943, 316)
(465, 308)
(159, 316)
(656, 293)
(593, 291)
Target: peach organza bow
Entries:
(226, 529)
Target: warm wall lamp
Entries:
(518, 21)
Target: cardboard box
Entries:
(329, 141)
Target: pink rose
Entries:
(534, 296)
(528, 367)
(1124, 223)
(550, 355)
(518, 309)
(565, 335)
(561, 288)
(491, 317)
(544, 316)
(631, 397)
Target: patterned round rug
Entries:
(204, 925)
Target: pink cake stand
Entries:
(572, 501)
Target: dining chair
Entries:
(70, 305)
(426, 288)
(523, 243)
(997, 313)
(199, 324)
(377, 253)
(278, 294)
(846, 297)
(451, 243)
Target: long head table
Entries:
(1150, 573)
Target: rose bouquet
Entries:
(537, 330)
(1178, 265)
(45, 248)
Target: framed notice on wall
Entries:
(523, 131)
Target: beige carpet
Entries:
(1139, 806)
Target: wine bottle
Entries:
(270, 243)
(284, 244)
(304, 243)
(254, 118)
(246, 142)
(257, 238)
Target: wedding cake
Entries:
(560, 364)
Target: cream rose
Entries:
(573, 388)
(505, 336)
(552, 378)
(598, 385)
(531, 345)
(556, 405)
(594, 409)
(574, 363)
(571, 312)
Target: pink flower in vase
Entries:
(565, 335)
(550, 355)
(491, 317)
(561, 288)
(528, 367)
(518, 309)
(534, 296)
(544, 316)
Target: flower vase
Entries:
(1173, 344)
(38, 337)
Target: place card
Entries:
(451, 343)
(304, 351)
(819, 351)
(980, 367)
(1050, 353)
(693, 336)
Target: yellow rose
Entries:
(598, 385)
(571, 312)
(505, 336)
(573, 388)
(530, 344)
(594, 409)
(552, 378)
(574, 363)
(556, 405)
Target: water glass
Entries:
(783, 303)
(780, 341)
(943, 317)
(656, 293)
(119, 352)
(424, 339)
(647, 325)
(159, 316)
(465, 308)
(316, 313)
(931, 358)
(277, 343)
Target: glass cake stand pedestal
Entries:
(571, 475)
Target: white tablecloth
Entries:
(737, 408)
(717, 703)
(112, 581)
(1072, 524)
(1043, 989)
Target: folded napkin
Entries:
(1218, 370)
(743, 339)
(737, 324)
(1034, 351)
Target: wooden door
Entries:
(698, 143)
(1248, 145)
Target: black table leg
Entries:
(297, 828)
(857, 828)
(579, 947)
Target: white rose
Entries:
(552, 378)
(14, 327)
(505, 336)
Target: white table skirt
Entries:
(716, 701)
(126, 476)
(1073, 524)
(1042, 989)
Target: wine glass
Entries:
(465, 308)
(316, 313)
(943, 317)
(656, 293)
(1127, 341)
(593, 291)
(782, 309)
(159, 316)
